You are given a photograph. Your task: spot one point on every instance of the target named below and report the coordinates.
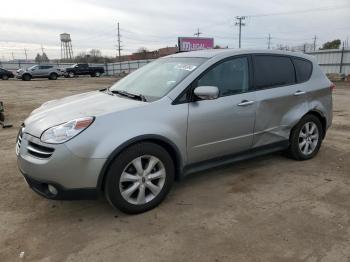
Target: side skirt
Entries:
(229, 159)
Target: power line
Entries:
(240, 24)
(301, 11)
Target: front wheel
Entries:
(5, 77)
(306, 138)
(71, 74)
(139, 178)
(26, 77)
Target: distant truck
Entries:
(39, 71)
(84, 69)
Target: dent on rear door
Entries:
(278, 110)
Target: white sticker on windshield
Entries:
(185, 67)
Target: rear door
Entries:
(280, 100)
(224, 125)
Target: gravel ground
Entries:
(267, 209)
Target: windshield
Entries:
(32, 67)
(156, 79)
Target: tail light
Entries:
(332, 87)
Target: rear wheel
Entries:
(26, 77)
(139, 178)
(5, 77)
(71, 74)
(97, 74)
(53, 76)
(306, 138)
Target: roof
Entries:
(210, 53)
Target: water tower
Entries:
(66, 46)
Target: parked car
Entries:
(84, 69)
(175, 116)
(39, 71)
(5, 74)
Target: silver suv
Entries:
(178, 115)
(39, 71)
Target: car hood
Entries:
(59, 111)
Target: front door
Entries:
(225, 125)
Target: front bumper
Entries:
(45, 164)
(42, 188)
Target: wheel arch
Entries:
(26, 73)
(164, 142)
(320, 116)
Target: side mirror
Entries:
(206, 92)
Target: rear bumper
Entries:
(41, 188)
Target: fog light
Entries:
(52, 189)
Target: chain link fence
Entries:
(111, 69)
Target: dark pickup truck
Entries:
(83, 69)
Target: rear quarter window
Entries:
(273, 71)
(303, 69)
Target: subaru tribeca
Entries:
(175, 116)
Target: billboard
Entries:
(195, 43)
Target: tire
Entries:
(26, 77)
(122, 178)
(53, 76)
(71, 74)
(92, 75)
(303, 142)
(97, 74)
(5, 77)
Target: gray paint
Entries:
(201, 130)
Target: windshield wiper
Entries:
(132, 96)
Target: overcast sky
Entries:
(158, 23)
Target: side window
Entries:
(273, 71)
(231, 77)
(303, 69)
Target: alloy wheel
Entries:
(308, 138)
(142, 180)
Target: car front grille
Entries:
(19, 139)
(33, 149)
(39, 151)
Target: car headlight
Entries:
(62, 133)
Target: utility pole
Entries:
(13, 56)
(25, 53)
(198, 33)
(119, 46)
(239, 22)
(42, 49)
(269, 42)
(315, 38)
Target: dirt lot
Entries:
(266, 209)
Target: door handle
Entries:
(246, 103)
(299, 92)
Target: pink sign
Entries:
(195, 43)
